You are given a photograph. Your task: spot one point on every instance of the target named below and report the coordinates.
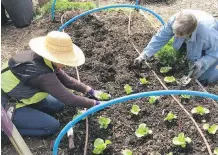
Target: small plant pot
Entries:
(171, 124)
(185, 100)
(143, 140)
(187, 150)
(199, 118)
(135, 117)
(171, 84)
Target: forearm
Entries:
(71, 82)
(51, 84)
(160, 39)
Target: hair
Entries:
(184, 24)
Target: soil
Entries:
(109, 55)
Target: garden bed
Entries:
(109, 55)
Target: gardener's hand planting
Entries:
(138, 61)
(98, 95)
(100, 102)
(195, 68)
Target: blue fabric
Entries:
(202, 47)
(211, 75)
(34, 120)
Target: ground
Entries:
(109, 54)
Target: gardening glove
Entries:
(99, 102)
(96, 94)
(138, 61)
(196, 69)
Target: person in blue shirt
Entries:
(199, 31)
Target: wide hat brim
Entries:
(74, 58)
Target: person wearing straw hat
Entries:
(198, 31)
(34, 83)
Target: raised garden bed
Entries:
(109, 55)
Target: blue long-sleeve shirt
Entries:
(202, 47)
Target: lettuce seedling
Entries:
(128, 89)
(186, 96)
(210, 129)
(135, 109)
(200, 110)
(169, 79)
(104, 96)
(181, 140)
(153, 99)
(126, 152)
(143, 81)
(165, 69)
(171, 153)
(79, 112)
(100, 145)
(143, 130)
(103, 121)
(216, 151)
(170, 117)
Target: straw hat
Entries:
(58, 47)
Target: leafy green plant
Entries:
(153, 99)
(210, 129)
(181, 140)
(103, 121)
(200, 110)
(63, 5)
(143, 81)
(79, 112)
(171, 153)
(186, 96)
(168, 56)
(128, 89)
(126, 152)
(215, 151)
(100, 145)
(104, 96)
(135, 109)
(169, 79)
(143, 130)
(165, 69)
(170, 116)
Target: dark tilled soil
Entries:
(109, 55)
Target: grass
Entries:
(65, 5)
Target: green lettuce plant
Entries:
(200, 110)
(100, 145)
(143, 130)
(168, 56)
(186, 96)
(143, 81)
(165, 69)
(128, 89)
(153, 99)
(79, 112)
(211, 129)
(170, 116)
(181, 140)
(103, 121)
(135, 109)
(216, 151)
(171, 153)
(104, 96)
(169, 79)
(126, 152)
